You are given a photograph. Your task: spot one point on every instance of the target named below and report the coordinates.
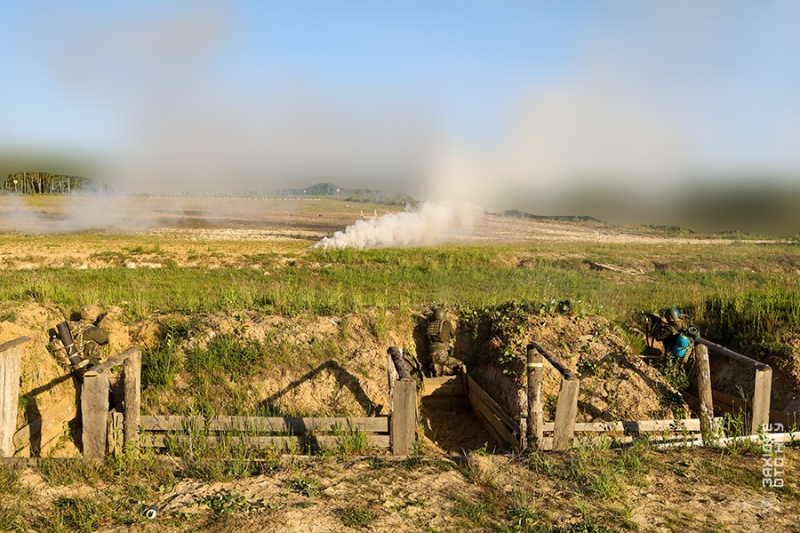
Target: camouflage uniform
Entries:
(88, 339)
(440, 331)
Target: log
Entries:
(535, 375)
(378, 424)
(10, 367)
(555, 361)
(733, 355)
(115, 360)
(704, 389)
(133, 384)
(399, 364)
(566, 411)
(94, 413)
(404, 416)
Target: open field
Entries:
(231, 305)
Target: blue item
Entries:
(681, 345)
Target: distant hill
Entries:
(375, 196)
(560, 218)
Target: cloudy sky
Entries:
(444, 100)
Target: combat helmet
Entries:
(89, 313)
(672, 315)
(439, 313)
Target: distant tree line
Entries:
(46, 183)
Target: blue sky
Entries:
(521, 94)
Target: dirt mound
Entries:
(616, 384)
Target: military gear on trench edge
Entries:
(84, 347)
(669, 329)
(440, 331)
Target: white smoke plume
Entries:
(431, 223)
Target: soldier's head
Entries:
(89, 313)
(439, 313)
(672, 315)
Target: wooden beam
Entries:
(94, 413)
(733, 355)
(404, 416)
(704, 389)
(115, 360)
(10, 366)
(535, 375)
(762, 394)
(132, 375)
(378, 424)
(566, 411)
(554, 360)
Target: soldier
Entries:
(87, 339)
(671, 331)
(440, 331)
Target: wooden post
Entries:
(535, 423)
(404, 416)
(704, 390)
(133, 397)
(566, 411)
(761, 398)
(10, 366)
(94, 413)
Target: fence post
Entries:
(133, 399)
(535, 423)
(566, 412)
(10, 366)
(761, 398)
(94, 414)
(704, 390)
(404, 416)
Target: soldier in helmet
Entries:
(672, 332)
(87, 339)
(440, 331)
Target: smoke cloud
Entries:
(431, 223)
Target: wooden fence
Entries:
(397, 432)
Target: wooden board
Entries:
(94, 414)
(50, 426)
(10, 367)
(498, 430)
(378, 424)
(455, 389)
(157, 440)
(404, 416)
(489, 401)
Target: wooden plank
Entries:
(733, 355)
(50, 426)
(94, 413)
(704, 388)
(159, 440)
(489, 401)
(456, 389)
(566, 411)
(403, 422)
(535, 371)
(132, 375)
(641, 426)
(762, 394)
(10, 367)
(499, 430)
(377, 424)
(478, 409)
(114, 360)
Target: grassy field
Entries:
(743, 293)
